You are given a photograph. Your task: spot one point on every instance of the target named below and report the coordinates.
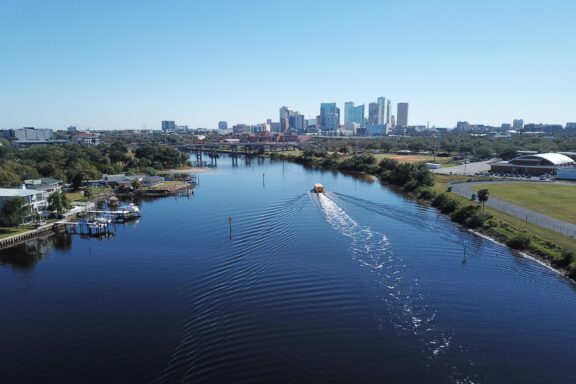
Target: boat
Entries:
(102, 220)
(318, 188)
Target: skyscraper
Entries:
(402, 115)
(284, 114)
(329, 117)
(518, 124)
(222, 125)
(353, 114)
(348, 111)
(168, 125)
(383, 111)
(358, 115)
(372, 114)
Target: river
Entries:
(359, 285)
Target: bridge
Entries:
(234, 147)
(235, 150)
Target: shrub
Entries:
(410, 186)
(445, 203)
(450, 206)
(463, 213)
(564, 260)
(477, 220)
(520, 241)
(426, 194)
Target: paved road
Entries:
(568, 229)
(466, 169)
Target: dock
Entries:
(83, 227)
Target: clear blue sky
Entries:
(125, 64)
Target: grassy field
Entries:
(544, 240)
(555, 200)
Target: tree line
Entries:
(74, 163)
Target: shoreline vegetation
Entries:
(415, 180)
(78, 166)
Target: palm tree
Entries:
(483, 196)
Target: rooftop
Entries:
(17, 192)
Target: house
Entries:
(86, 138)
(151, 181)
(126, 181)
(46, 184)
(117, 180)
(33, 200)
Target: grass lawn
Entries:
(7, 232)
(543, 238)
(555, 200)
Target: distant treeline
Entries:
(75, 163)
(483, 147)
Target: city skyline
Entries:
(111, 65)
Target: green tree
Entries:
(12, 212)
(483, 196)
(136, 184)
(58, 202)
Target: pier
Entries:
(83, 227)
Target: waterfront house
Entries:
(46, 184)
(151, 181)
(33, 201)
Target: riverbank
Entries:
(553, 249)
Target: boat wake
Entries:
(403, 303)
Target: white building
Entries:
(34, 201)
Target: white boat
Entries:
(318, 188)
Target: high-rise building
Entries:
(383, 110)
(402, 115)
(284, 114)
(518, 124)
(372, 113)
(358, 115)
(168, 125)
(222, 125)
(348, 111)
(329, 117)
(296, 122)
(353, 114)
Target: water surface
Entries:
(359, 285)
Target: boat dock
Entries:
(83, 227)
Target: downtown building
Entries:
(353, 114)
(402, 115)
(378, 120)
(329, 118)
(291, 120)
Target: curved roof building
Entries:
(533, 164)
(543, 159)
